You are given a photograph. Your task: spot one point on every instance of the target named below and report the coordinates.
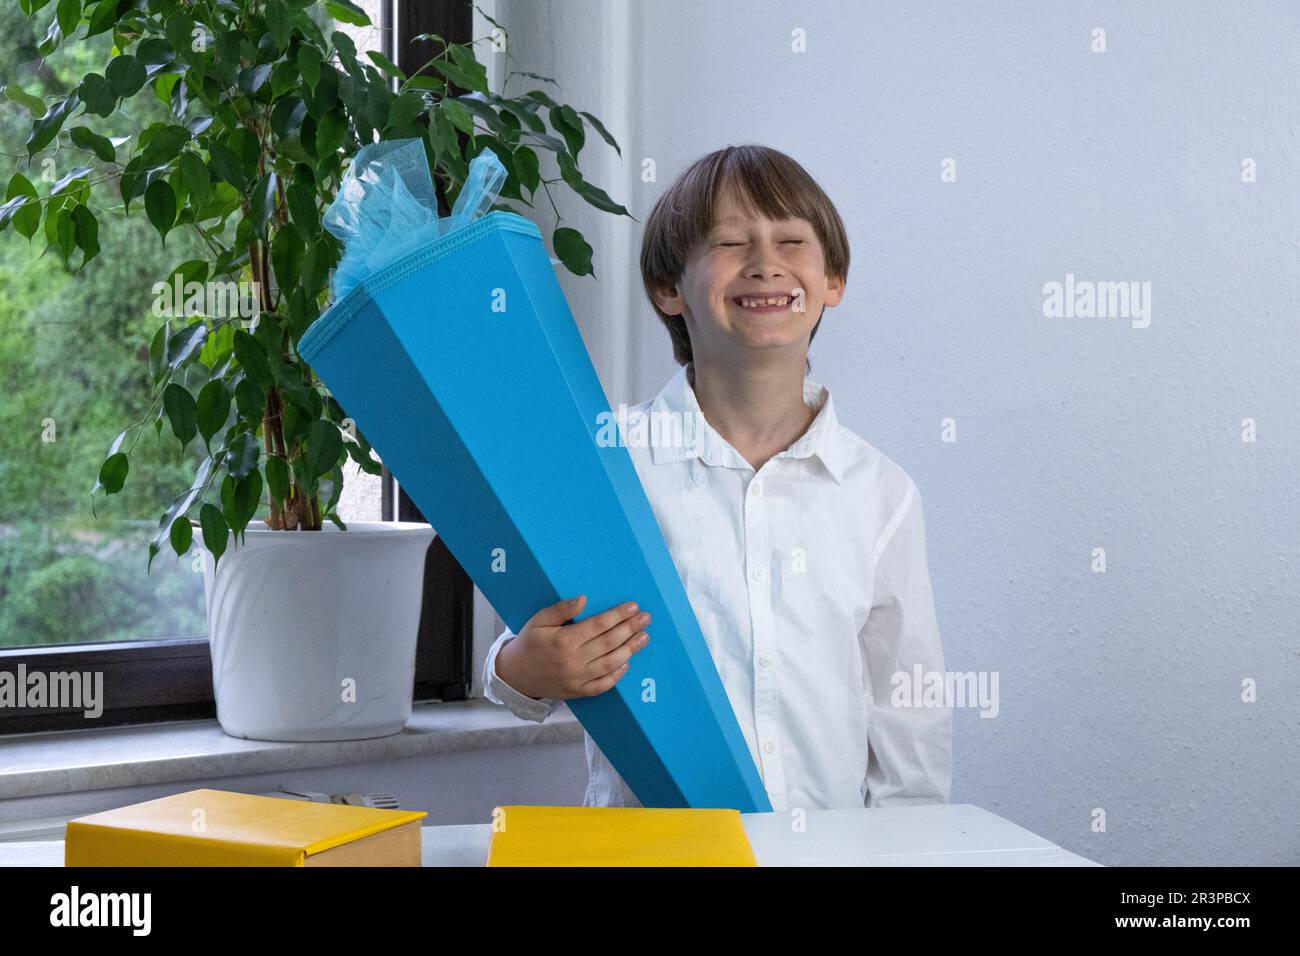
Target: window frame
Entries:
(167, 679)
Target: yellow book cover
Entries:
(617, 836)
(224, 828)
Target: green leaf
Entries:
(105, 17)
(216, 532)
(195, 177)
(347, 12)
(181, 413)
(14, 92)
(77, 172)
(68, 15)
(179, 30)
(182, 535)
(593, 194)
(277, 478)
(241, 503)
(470, 66)
(97, 93)
(242, 455)
(252, 78)
(566, 122)
(164, 144)
(101, 146)
(604, 133)
(263, 202)
(220, 346)
(50, 42)
(155, 50)
(309, 65)
(65, 233)
(186, 342)
(363, 458)
(227, 166)
(385, 64)
(277, 22)
(12, 207)
(252, 359)
(160, 206)
(250, 399)
(26, 216)
(47, 127)
(460, 117)
(404, 109)
(126, 75)
(179, 507)
(346, 50)
(330, 133)
(212, 408)
(302, 207)
(325, 95)
(455, 74)
(112, 474)
(286, 116)
(86, 230)
(324, 446)
(572, 250)
(527, 168)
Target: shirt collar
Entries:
(700, 440)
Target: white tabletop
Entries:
(940, 835)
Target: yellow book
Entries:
(223, 828)
(617, 836)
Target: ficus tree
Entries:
(266, 104)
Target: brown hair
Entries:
(765, 181)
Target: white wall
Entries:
(1120, 691)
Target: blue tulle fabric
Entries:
(386, 206)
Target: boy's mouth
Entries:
(763, 303)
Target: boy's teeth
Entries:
(753, 303)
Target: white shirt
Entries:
(810, 583)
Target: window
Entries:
(74, 592)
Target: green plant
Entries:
(264, 112)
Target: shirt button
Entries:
(760, 574)
(756, 486)
(765, 660)
(769, 746)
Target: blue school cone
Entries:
(452, 347)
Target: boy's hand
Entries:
(549, 658)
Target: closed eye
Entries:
(797, 242)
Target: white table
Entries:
(944, 835)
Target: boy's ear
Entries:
(669, 301)
(834, 291)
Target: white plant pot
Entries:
(313, 633)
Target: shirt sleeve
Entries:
(910, 747)
(499, 692)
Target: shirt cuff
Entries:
(499, 692)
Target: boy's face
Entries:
(742, 257)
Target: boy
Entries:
(801, 547)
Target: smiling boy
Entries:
(801, 547)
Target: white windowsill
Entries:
(69, 761)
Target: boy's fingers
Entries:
(602, 684)
(610, 663)
(559, 612)
(616, 636)
(596, 625)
